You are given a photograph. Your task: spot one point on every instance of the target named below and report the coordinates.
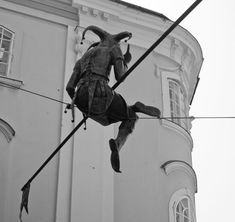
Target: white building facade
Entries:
(39, 45)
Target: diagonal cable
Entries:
(167, 32)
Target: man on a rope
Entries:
(95, 98)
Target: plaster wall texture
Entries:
(38, 61)
(143, 189)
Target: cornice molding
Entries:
(141, 9)
(179, 165)
(93, 12)
(54, 7)
(7, 130)
(43, 11)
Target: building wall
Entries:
(143, 189)
(79, 183)
(39, 61)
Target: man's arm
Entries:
(71, 85)
(120, 62)
(119, 69)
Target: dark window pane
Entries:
(5, 57)
(6, 45)
(7, 35)
(3, 69)
(185, 202)
(186, 213)
(6, 39)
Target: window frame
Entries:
(166, 111)
(10, 52)
(176, 199)
(182, 214)
(178, 105)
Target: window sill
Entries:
(180, 130)
(10, 83)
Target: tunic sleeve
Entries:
(71, 85)
(118, 62)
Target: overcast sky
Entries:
(213, 25)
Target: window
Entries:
(6, 43)
(175, 103)
(177, 100)
(182, 211)
(181, 206)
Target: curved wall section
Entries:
(7, 130)
(175, 165)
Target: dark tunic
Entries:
(94, 97)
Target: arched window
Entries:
(181, 207)
(6, 45)
(183, 211)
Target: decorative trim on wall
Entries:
(11, 83)
(42, 11)
(53, 7)
(93, 12)
(7, 130)
(179, 165)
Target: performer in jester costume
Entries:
(88, 88)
